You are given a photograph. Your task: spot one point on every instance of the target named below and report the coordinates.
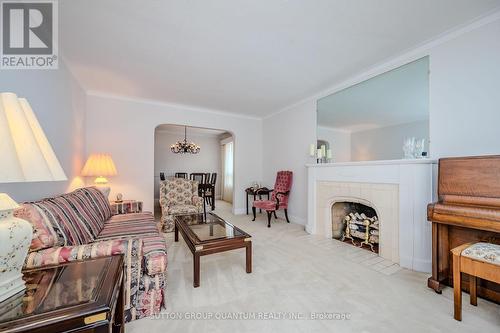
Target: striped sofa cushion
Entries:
(91, 206)
(74, 218)
(65, 222)
(128, 225)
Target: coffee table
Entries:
(207, 234)
(80, 296)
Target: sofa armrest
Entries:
(155, 255)
(198, 202)
(57, 255)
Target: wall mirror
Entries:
(383, 118)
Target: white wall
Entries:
(386, 143)
(59, 104)
(465, 98)
(287, 137)
(340, 142)
(464, 104)
(207, 160)
(125, 128)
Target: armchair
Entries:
(279, 197)
(178, 196)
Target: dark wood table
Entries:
(81, 296)
(207, 234)
(259, 192)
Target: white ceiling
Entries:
(247, 57)
(396, 97)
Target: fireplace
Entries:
(356, 223)
(398, 192)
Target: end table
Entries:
(80, 296)
(125, 207)
(259, 192)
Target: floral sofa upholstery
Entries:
(178, 196)
(79, 225)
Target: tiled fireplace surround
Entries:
(398, 191)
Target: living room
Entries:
(277, 76)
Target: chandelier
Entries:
(183, 147)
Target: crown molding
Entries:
(101, 94)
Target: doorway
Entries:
(212, 163)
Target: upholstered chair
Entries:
(279, 198)
(178, 196)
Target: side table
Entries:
(259, 192)
(125, 207)
(80, 296)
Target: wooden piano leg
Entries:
(433, 281)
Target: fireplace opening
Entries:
(357, 224)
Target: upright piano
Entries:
(468, 210)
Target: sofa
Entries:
(178, 196)
(79, 225)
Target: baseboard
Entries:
(293, 218)
(239, 211)
(297, 220)
(424, 266)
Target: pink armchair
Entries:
(279, 198)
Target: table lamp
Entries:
(100, 166)
(26, 156)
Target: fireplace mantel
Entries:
(412, 182)
(381, 162)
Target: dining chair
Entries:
(213, 181)
(198, 176)
(181, 175)
(209, 194)
(162, 175)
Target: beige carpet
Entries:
(296, 274)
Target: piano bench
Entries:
(479, 260)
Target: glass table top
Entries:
(210, 227)
(50, 289)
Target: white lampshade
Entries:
(25, 152)
(99, 165)
(6, 202)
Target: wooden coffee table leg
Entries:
(196, 270)
(176, 232)
(249, 256)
